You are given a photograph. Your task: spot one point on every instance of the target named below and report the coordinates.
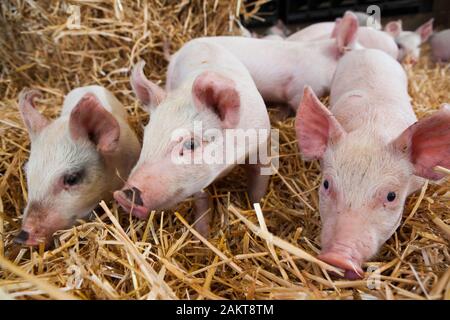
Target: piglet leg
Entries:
(282, 112)
(258, 174)
(202, 212)
(256, 182)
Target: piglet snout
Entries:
(352, 268)
(22, 237)
(134, 195)
(411, 60)
(131, 200)
(27, 238)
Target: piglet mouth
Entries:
(352, 268)
(130, 200)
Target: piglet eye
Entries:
(326, 184)
(191, 144)
(72, 179)
(391, 196)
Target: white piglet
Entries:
(409, 42)
(373, 153)
(75, 160)
(209, 94)
(367, 37)
(281, 69)
(440, 46)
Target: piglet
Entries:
(281, 69)
(440, 46)
(409, 42)
(75, 160)
(367, 37)
(316, 31)
(209, 94)
(373, 153)
(278, 30)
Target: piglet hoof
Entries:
(202, 227)
(202, 213)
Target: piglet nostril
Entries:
(134, 194)
(22, 237)
(137, 197)
(128, 193)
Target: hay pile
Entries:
(115, 256)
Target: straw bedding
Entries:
(267, 254)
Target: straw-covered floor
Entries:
(115, 256)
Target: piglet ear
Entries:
(394, 28)
(147, 92)
(34, 121)
(346, 31)
(315, 126)
(217, 93)
(281, 26)
(427, 143)
(89, 120)
(425, 30)
(337, 22)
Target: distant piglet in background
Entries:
(208, 87)
(373, 154)
(278, 31)
(367, 37)
(409, 42)
(440, 46)
(281, 69)
(75, 160)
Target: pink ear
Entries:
(34, 121)
(218, 93)
(89, 120)
(428, 143)
(280, 25)
(336, 26)
(346, 31)
(394, 28)
(315, 126)
(147, 92)
(425, 30)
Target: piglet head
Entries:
(172, 165)
(66, 172)
(409, 42)
(366, 179)
(279, 29)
